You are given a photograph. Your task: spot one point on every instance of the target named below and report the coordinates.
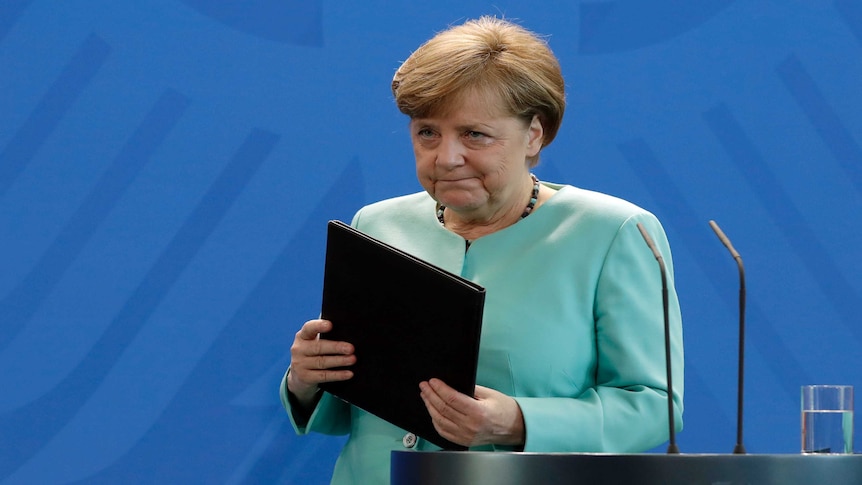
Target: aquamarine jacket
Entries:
(573, 327)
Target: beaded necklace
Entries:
(534, 196)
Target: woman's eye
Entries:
(477, 139)
(425, 133)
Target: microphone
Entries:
(739, 448)
(671, 448)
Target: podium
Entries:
(500, 468)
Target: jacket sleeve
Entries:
(627, 410)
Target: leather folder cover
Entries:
(408, 320)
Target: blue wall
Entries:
(167, 168)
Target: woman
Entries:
(572, 355)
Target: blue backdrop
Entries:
(167, 168)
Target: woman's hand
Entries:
(313, 359)
(491, 418)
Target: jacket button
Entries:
(409, 440)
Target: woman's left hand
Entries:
(491, 418)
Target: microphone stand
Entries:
(739, 449)
(672, 447)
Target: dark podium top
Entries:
(497, 468)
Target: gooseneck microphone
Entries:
(671, 447)
(739, 448)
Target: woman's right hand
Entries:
(313, 359)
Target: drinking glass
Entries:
(827, 419)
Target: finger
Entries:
(448, 429)
(452, 426)
(482, 393)
(328, 362)
(306, 382)
(327, 347)
(309, 343)
(442, 399)
(331, 375)
(312, 371)
(312, 328)
(454, 399)
(443, 424)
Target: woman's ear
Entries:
(535, 135)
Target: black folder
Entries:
(408, 320)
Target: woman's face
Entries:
(473, 157)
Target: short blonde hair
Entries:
(489, 54)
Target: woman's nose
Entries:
(450, 153)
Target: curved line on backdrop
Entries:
(800, 237)
(297, 22)
(256, 338)
(678, 213)
(65, 400)
(624, 25)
